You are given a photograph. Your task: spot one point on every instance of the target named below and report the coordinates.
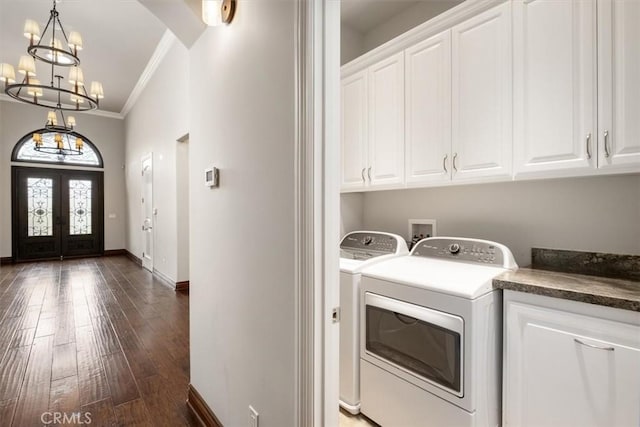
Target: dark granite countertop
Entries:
(617, 293)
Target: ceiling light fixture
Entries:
(63, 129)
(217, 12)
(49, 47)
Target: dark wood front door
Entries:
(57, 213)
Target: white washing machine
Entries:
(358, 250)
(431, 335)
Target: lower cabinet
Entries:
(569, 363)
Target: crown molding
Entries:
(101, 113)
(166, 42)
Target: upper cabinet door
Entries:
(386, 122)
(554, 86)
(482, 91)
(428, 110)
(619, 84)
(354, 130)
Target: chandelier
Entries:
(63, 129)
(55, 48)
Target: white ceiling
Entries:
(119, 38)
(364, 15)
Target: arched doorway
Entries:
(57, 199)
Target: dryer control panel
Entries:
(466, 250)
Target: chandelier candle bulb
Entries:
(37, 139)
(34, 90)
(27, 66)
(32, 31)
(76, 78)
(71, 122)
(75, 41)
(79, 144)
(96, 90)
(58, 140)
(52, 120)
(7, 73)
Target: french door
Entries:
(57, 213)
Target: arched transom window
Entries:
(45, 151)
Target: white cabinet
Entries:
(569, 363)
(481, 96)
(386, 122)
(354, 130)
(566, 122)
(372, 109)
(619, 85)
(428, 110)
(458, 117)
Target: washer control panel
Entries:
(467, 250)
(370, 242)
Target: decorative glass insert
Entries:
(79, 207)
(39, 207)
(25, 151)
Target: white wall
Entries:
(599, 214)
(182, 209)
(242, 234)
(351, 44)
(107, 134)
(159, 117)
(404, 21)
(351, 212)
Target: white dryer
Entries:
(430, 340)
(358, 250)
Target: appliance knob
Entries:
(368, 240)
(454, 248)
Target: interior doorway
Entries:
(147, 212)
(56, 213)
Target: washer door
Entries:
(426, 343)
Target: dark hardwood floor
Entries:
(97, 337)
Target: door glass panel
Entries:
(424, 349)
(39, 207)
(79, 207)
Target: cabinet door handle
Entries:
(593, 346)
(455, 156)
(369, 173)
(606, 144)
(444, 163)
(362, 175)
(589, 146)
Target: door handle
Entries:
(607, 153)
(369, 173)
(588, 146)
(362, 175)
(455, 156)
(444, 163)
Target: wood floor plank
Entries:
(95, 336)
(91, 377)
(65, 395)
(121, 382)
(34, 394)
(101, 413)
(134, 414)
(12, 370)
(64, 361)
(7, 408)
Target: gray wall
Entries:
(17, 119)
(159, 117)
(591, 214)
(242, 296)
(354, 43)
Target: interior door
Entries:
(147, 212)
(57, 213)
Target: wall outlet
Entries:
(253, 417)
